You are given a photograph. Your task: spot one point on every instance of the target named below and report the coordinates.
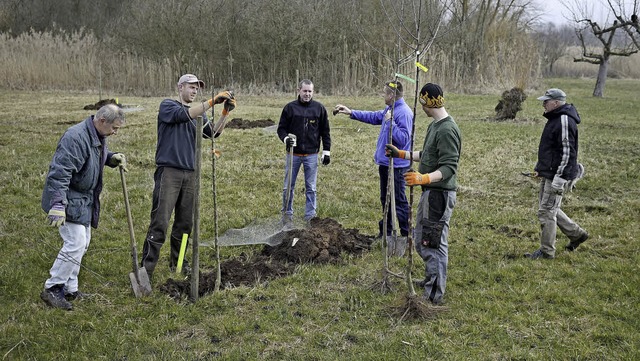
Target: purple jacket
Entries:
(402, 124)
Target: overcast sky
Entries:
(554, 11)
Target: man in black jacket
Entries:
(557, 167)
(303, 125)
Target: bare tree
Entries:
(553, 44)
(621, 38)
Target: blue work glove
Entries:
(325, 157)
(56, 215)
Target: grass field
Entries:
(581, 306)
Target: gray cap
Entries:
(190, 78)
(554, 94)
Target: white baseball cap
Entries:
(190, 78)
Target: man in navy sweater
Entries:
(175, 160)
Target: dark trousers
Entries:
(173, 190)
(402, 205)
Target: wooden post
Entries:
(195, 265)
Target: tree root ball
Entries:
(414, 307)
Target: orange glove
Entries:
(220, 98)
(392, 151)
(229, 105)
(416, 179)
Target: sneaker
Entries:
(574, 244)
(77, 295)
(54, 297)
(538, 254)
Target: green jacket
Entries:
(441, 151)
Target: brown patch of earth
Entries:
(101, 103)
(239, 123)
(324, 241)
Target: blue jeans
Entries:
(402, 205)
(65, 269)
(310, 165)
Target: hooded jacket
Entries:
(558, 150)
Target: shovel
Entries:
(139, 278)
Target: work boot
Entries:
(538, 254)
(574, 244)
(54, 297)
(77, 295)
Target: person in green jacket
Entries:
(436, 175)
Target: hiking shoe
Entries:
(538, 254)
(574, 244)
(54, 297)
(77, 295)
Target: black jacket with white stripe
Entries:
(558, 150)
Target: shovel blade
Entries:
(140, 284)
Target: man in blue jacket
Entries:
(401, 135)
(557, 167)
(71, 197)
(306, 121)
(175, 167)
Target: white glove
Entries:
(325, 157)
(119, 159)
(290, 141)
(558, 184)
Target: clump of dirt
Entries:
(510, 104)
(322, 242)
(239, 123)
(100, 104)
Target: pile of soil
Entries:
(322, 242)
(239, 123)
(100, 104)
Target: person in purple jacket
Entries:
(401, 135)
(175, 167)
